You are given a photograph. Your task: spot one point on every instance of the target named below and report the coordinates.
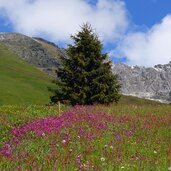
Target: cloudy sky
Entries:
(137, 32)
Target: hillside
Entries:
(132, 100)
(36, 51)
(20, 82)
(52, 48)
(150, 83)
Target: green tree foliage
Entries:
(85, 76)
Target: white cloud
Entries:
(147, 48)
(58, 19)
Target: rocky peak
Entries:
(38, 52)
(151, 82)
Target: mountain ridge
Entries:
(33, 51)
(145, 82)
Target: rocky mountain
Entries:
(36, 51)
(151, 83)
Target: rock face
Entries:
(151, 83)
(37, 52)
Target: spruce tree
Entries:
(85, 76)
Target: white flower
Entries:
(43, 134)
(169, 168)
(63, 141)
(105, 145)
(155, 152)
(102, 159)
(122, 167)
(111, 147)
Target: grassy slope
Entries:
(131, 100)
(21, 83)
(139, 134)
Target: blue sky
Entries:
(132, 31)
(148, 12)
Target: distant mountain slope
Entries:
(152, 83)
(36, 51)
(52, 48)
(20, 82)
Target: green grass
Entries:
(134, 137)
(131, 135)
(20, 82)
(136, 101)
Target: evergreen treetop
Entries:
(85, 76)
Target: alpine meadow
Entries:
(64, 109)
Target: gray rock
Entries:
(33, 51)
(151, 83)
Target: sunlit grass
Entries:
(20, 82)
(116, 137)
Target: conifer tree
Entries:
(85, 76)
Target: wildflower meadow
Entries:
(97, 138)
